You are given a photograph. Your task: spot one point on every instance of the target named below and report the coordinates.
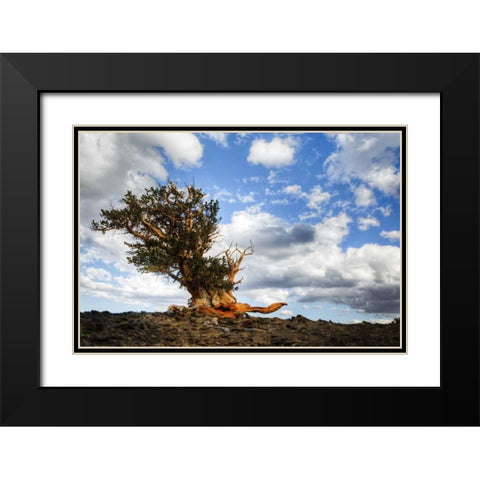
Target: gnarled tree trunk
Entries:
(211, 299)
(222, 303)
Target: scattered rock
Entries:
(181, 326)
(225, 329)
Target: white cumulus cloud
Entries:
(292, 262)
(314, 199)
(364, 197)
(279, 152)
(220, 138)
(113, 162)
(139, 290)
(369, 157)
(385, 211)
(307, 263)
(364, 223)
(249, 198)
(317, 197)
(295, 190)
(393, 235)
(98, 273)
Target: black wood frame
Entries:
(23, 77)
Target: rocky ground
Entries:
(183, 329)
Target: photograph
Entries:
(226, 238)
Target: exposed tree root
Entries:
(234, 309)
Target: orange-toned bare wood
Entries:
(234, 309)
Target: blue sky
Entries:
(321, 208)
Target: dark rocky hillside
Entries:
(183, 329)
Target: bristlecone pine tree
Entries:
(173, 229)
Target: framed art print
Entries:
(288, 196)
(177, 230)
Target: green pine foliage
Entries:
(173, 229)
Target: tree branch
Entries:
(234, 263)
(154, 229)
(134, 233)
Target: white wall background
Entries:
(248, 26)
